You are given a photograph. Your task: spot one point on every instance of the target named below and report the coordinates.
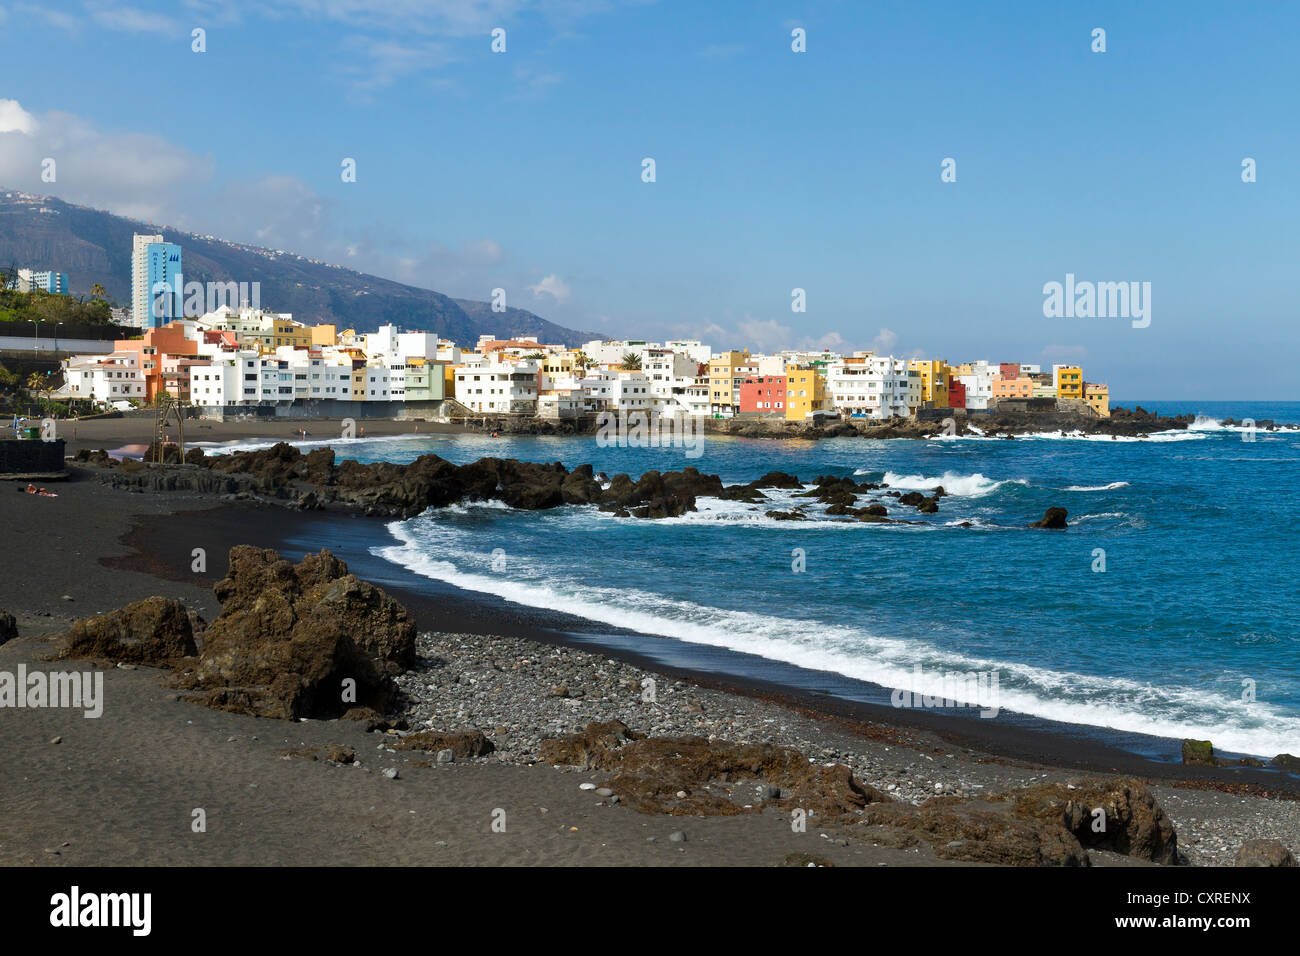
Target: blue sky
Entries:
(775, 169)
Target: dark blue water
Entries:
(1191, 617)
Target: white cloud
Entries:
(553, 286)
(15, 119)
(767, 336)
(133, 174)
(131, 19)
(884, 341)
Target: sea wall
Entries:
(28, 456)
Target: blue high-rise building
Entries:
(164, 282)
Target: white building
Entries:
(879, 387)
(140, 297)
(979, 384)
(500, 387)
(103, 378)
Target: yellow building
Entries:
(326, 333)
(805, 392)
(1068, 380)
(724, 382)
(934, 381)
(560, 364)
(1097, 396)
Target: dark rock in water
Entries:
(840, 430)
(1198, 753)
(838, 497)
(912, 498)
(8, 627)
(290, 636)
(1264, 853)
(928, 507)
(155, 631)
(776, 479)
(463, 744)
(742, 493)
(1054, 518)
(873, 511)
(786, 515)
(1286, 762)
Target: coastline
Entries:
(443, 607)
(137, 428)
(158, 533)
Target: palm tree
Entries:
(631, 362)
(97, 291)
(581, 361)
(38, 383)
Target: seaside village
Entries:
(245, 360)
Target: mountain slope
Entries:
(93, 246)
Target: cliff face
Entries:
(93, 246)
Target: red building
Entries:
(763, 395)
(956, 394)
(1010, 371)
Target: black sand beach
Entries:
(92, 549)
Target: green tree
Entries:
(631, 362)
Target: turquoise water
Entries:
(1197, 595)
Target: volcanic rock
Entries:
(463, 744)
(305, 640)
(1054, 518)
(717, 777)
(155, 631)
(1264, 853)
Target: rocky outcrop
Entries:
(1286, 762)
(464, 744)
(305, 640)
(285, 475)
(156, 631)
(978, 831)
(1264, 853)
(1199, 753)
(693, 775)
(1118, 814)
(8, 627)
(1054, 518)
(1043, 825)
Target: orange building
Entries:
(159, 350)
(1013, 387)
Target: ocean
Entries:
(1165, 610)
